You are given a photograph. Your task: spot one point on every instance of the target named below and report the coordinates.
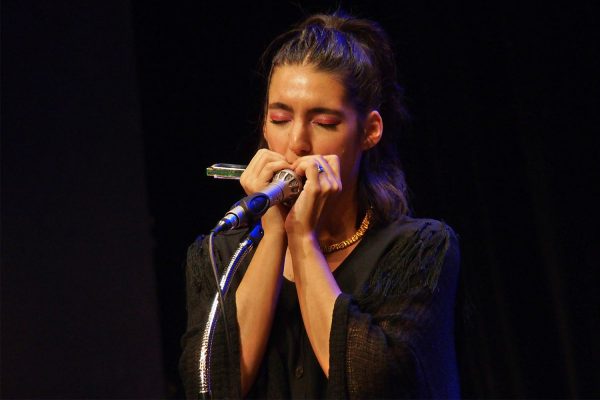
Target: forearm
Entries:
(317, 292)
(256, 299)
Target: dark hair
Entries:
(358, 51)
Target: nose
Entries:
(299, 140)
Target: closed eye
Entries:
(279, 121)
(327, 124)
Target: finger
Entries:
(262, 157)
(325, 169)
(301, 165)
(334, 163)
(261, 169)
(271, 168)
(316, 169)
(335, 178)
(309, 168)
(326, 173)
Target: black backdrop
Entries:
(113, 110)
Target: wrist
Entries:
(274, 235)
(302, 241)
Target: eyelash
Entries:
(330, 126)
(278, 122)
(321, 124)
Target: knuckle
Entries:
(312, 189)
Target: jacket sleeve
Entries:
(200, 291)
(397, 340)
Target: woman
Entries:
(345, 296)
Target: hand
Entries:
(319, 188)
(257, 175)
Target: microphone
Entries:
(284, 188)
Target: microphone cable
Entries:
(219, 295)
(285, 189)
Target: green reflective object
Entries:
(225, 171)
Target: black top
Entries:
(392, 327)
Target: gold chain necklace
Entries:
(353, 239)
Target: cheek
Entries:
(350, 157)
(276, 142)
(347, 148)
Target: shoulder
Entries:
(224, 245)
(422, 230)
(415, 256)
(223, 242)
(421, 236)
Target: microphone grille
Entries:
(293, 185)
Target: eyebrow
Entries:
(315, 110)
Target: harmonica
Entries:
(225, 171)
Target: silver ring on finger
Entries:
(320, 168)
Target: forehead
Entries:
(293, 83)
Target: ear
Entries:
(373, 130)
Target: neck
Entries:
(340, 217)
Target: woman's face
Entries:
(307, 113)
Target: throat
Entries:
(333, 259)
(328, 247)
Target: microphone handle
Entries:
(252, 207)
(285, 187)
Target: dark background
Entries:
(112, 110)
